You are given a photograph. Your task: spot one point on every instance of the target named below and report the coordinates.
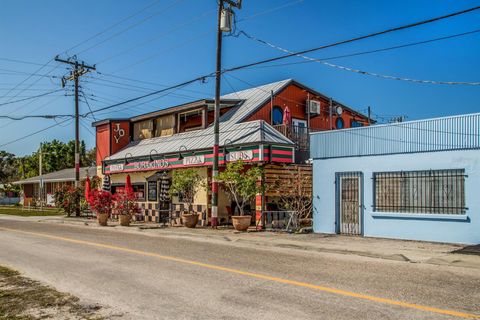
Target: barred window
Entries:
(432, 191)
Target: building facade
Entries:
(151, 146)
(33, 193)
(415, 180)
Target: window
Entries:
(139, 190)
(355, 124)
(277, 115)
(433, 191)
(142, 130)
(339, 123)
(152, 190)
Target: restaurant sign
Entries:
(193, 160)
(245, 155)
(155, 164)
(116, 167)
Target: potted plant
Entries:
(185, 183)
(101, 203)
(242, 186)
(125, 206)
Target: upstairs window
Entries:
(277, 115)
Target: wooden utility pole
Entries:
(224, 20)
(79, 69)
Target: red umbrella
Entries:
(128, 185)
(287, 117)
(88, 191)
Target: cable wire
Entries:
(373, 74)
(371, 35)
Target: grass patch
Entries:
(25, 299)
(17, 211)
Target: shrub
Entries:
(125, 203)
(241, 183)
(186, 183)
(66, 198)
(101, 202)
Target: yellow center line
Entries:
(257, 276)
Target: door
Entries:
(299, 126)
(349, 203)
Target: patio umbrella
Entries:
(287, 116)
(88, 190)
(128, 185)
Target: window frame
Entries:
(420, 192)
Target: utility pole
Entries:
(40, 173)
(369, 115)
(224, 24)
(79, 69)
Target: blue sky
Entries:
(174, 40)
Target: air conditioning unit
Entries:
(313, 107)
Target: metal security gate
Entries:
(349, 203)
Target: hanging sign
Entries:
(245, 155)
(193, 160)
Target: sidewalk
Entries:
(398, 250)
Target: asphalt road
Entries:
(143, 277)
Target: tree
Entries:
(185, 183)
(8, 169)
(242, 184)
(295, 192)
(57, 155)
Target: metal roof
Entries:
(253, 99)
(439, 134)
(61, 175)
(236, 134)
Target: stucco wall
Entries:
(402, 226)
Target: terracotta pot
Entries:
(102, 219)
(190, 220)
(241, 223)
(125, 220)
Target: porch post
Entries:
(260, 204)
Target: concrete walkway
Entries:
(378, 248)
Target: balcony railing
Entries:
(298, 134)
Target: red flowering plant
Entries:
(125, 203)
(101, 202)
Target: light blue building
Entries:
(417, 180)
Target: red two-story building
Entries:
(253, 127)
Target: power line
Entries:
(371, 35)
(31, 97)
(21, 61)
(88, 105)
(34, 133)
(202, 78)
(30, 76)
(152, 93)
(156, 37)
(113, 26)
(132, 26)
(362, 71)
(375, 50)
(47, 116)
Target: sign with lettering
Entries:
(245, 155)
(193, 160)
(156, 164)
(116, 167)
(118, 132)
